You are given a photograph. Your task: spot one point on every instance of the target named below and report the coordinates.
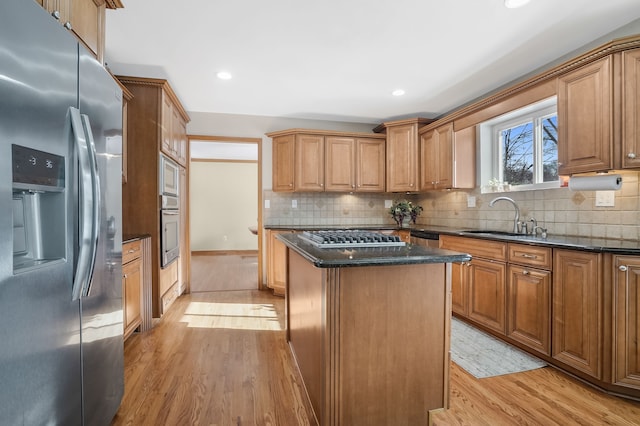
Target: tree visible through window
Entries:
(529, 150)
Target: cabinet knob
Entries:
(125, 276)
(353, 186)
(622, 268)
(525, 272)
(631, 155)
(67, 25)
(411, 184)
(56, 14)
(290, 184)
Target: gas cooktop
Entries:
(350, 239)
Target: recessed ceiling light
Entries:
(512, 4)
(224, 75)
(398, 92)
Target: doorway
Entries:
(225, 195)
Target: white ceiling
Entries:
(341, 59)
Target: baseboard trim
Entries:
(224, 252)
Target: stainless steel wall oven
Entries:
(169, 212)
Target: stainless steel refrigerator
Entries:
(61, 348)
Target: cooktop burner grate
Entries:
(350, 239)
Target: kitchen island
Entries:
(369, 330)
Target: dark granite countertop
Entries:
(603, 245)
(409, 254)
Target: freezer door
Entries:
(100, 100)
(39, 321)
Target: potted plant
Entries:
(403, 209)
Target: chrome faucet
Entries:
(516, 219)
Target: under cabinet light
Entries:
(224, 75)
(398, 92)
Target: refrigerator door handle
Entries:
(89, 199)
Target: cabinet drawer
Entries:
(130, 251)
(476, 247)
(530, 255)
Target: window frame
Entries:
(491, 145)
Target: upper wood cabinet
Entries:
(585, 99)
(174, 130)
(309, 165)
(631, 109)
(402, 155)
(307, 160)
(436, 158)
(447, 158)
(283, 161)
(85, 18)
(354, 164)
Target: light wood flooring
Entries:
(220, 358)
(221, 272)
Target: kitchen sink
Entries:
(490, 232)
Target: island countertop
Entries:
(409, 254)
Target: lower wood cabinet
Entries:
(276, 262)
(626, 308)
(131, 286)
(578, 310)
(486, 301)
(529, 296)
(529, 307)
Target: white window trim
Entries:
(489, 154)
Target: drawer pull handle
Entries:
(529, 256)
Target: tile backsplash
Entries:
(561, 211)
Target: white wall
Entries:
(224, 203)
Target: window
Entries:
(520, 149)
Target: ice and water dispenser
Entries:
(39, 225)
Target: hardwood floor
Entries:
(221, 272)
(220, 358)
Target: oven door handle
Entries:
(171, 212)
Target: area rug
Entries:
(482, 355)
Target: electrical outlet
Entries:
(605, 198)
(267, 204)
(294, 204)
(387, 204)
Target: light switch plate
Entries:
(605, 198)
(471, 201)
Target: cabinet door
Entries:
(277, 262)
(340, 164)
(577, 312)
(626, 282)
(402, 158)
(283, 163)
(584, 119)
(87, 21)
(309, 164)
(631, 109)
(370, 165)
(529, 307)
(436, 158)
(183, 143)
(132, 296)
(459, 288)
(487, 293)
(428, 160)
(167, 129)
